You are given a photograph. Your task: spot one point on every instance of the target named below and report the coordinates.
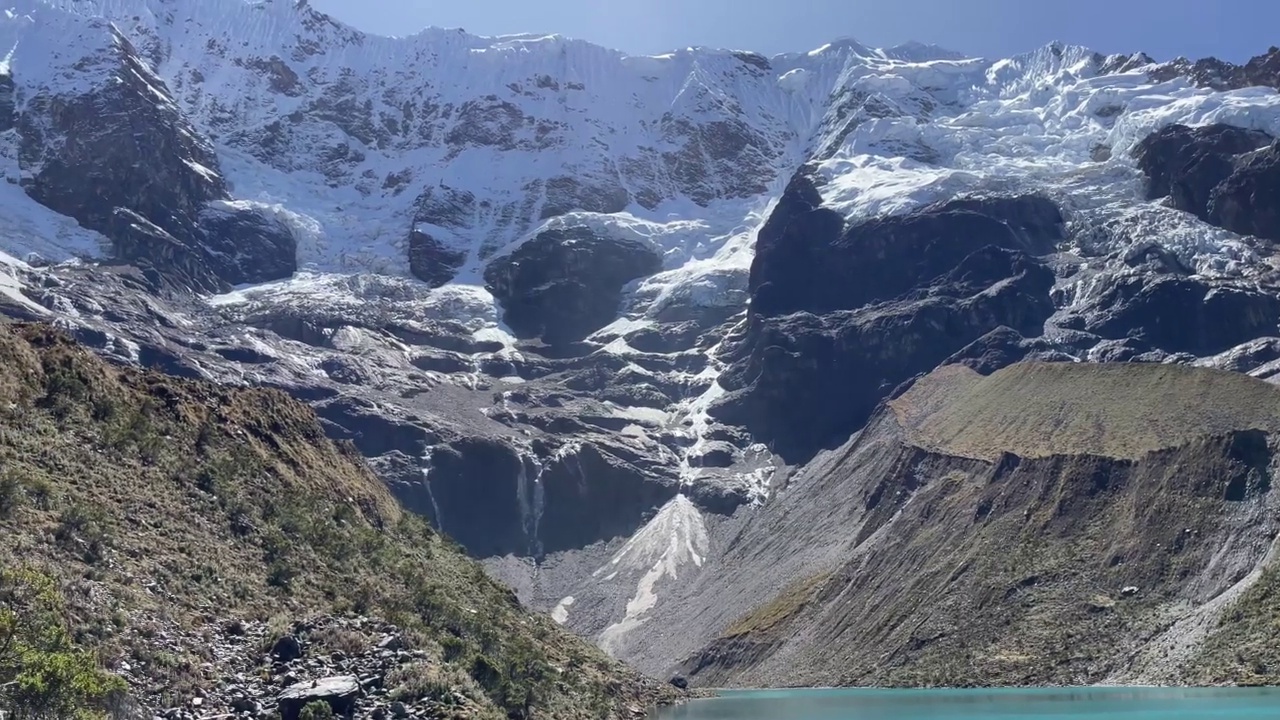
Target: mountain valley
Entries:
(853, 366)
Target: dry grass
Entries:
(1113, 410)
(164, 503)
(777, 613)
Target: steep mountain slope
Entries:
(177, 516)
(589, 313)
(1048, 523)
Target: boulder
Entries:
(286, 648)
(340, 692)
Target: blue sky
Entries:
(1231, 29)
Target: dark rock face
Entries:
(594, 493)
(247, 246)
(7, 108)
(565, 194)
(715, 158)
(564, 284)
(715, 454)
(1180, 314)
(431, 261)
(123, 160)
(127, 164)
(806, 259)
(496, 500)
(1223, 175)
(840, 316)
(474, 495)
(1003, 347)
(1260, 71)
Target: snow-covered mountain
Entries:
(585, 310)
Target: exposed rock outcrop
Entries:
(1180, 314)
(840, 316)
(565, 283)
(1223, 175)
(124, 160)
(1259, 71)
(430, 260)
(246, 245)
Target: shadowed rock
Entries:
(840, 316)
(1224, 175)
(564, 284)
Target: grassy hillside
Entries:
(165, 516)
(1113, 410)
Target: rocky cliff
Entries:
(592, 314)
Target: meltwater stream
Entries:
(1104, 703)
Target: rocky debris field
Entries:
(360, 667)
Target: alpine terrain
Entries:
(850, 366)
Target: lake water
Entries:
(1040, 704)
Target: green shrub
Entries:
(41, 492)
(42, 673)
(432, 681)
(316, 710)
(12, 493)
(84, 530)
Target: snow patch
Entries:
(560, 613)
(11, 285)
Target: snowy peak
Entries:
(391, 169)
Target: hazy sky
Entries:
(1231, 29)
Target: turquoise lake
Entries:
(1041, 704)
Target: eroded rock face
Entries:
(1179, 314)
(431, 261)
(807, 261)
(246, 245)
(1129, 502)
(123, 160)
(1224, 175)
(839, 317)
(1260, 71)
(566, 283)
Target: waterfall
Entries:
(532, 499)
(426, 482)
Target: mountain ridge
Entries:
(565, 300)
